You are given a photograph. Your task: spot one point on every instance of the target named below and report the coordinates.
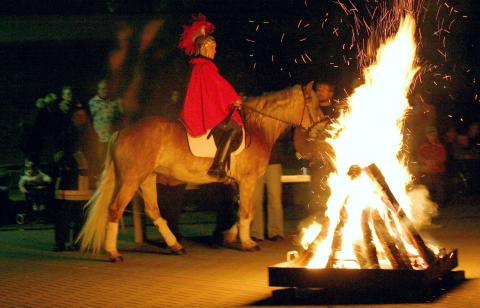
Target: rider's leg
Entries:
(224, 148)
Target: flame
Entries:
(310, 233)
(371, 132)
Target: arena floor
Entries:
(33, 276)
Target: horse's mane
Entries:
(273, 107)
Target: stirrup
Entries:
(217, 172)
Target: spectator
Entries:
(431, 157)
(325, 92)
(106, 116)
(462, 149)
(272, 179)
(35, 184)
(449, 140)
(37, 140)
(466, 163)
(72, 186)
(314, 149)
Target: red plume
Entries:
(200, 26)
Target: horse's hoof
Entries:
(230, 245)
(251, 248)
(117, 259)
(177, 250)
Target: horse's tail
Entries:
(92, 235)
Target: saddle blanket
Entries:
(202, 147)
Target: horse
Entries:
(156, 148)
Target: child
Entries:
(34, 184)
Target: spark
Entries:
(335, 31)
(303, 58)
(447, 77)
(443, 54)
(299, 23)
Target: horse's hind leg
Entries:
(149, 193)
(115, 212)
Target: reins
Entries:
(282, 120)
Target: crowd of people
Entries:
(449, 163)
(64, 148)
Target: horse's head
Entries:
(311, 114)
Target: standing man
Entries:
(272, 179)
(431, 156)
(210, 100)
(72, 188)
(314, 148)
(106, 115)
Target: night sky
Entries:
(262, 46)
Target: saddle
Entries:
(205, 145)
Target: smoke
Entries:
(423, 209)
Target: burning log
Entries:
(388, 243)
(370, 249)
(377, 176)
(398, 238)
(337, 237)
(312, 248)
(360, 255)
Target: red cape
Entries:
(209, 98)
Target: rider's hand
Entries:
(238, 103)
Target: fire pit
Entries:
(295, 274)
(404, 276)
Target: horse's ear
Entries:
(309, 85)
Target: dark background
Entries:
(45, 44)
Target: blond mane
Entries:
(273, 107)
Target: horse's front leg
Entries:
(246, 214)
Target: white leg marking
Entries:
(164, 230)
(244, 226)
(111, 237)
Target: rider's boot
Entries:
(224, 148)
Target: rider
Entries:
(211, 100)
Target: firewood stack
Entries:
(386, 227)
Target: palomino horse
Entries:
(156, 147)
